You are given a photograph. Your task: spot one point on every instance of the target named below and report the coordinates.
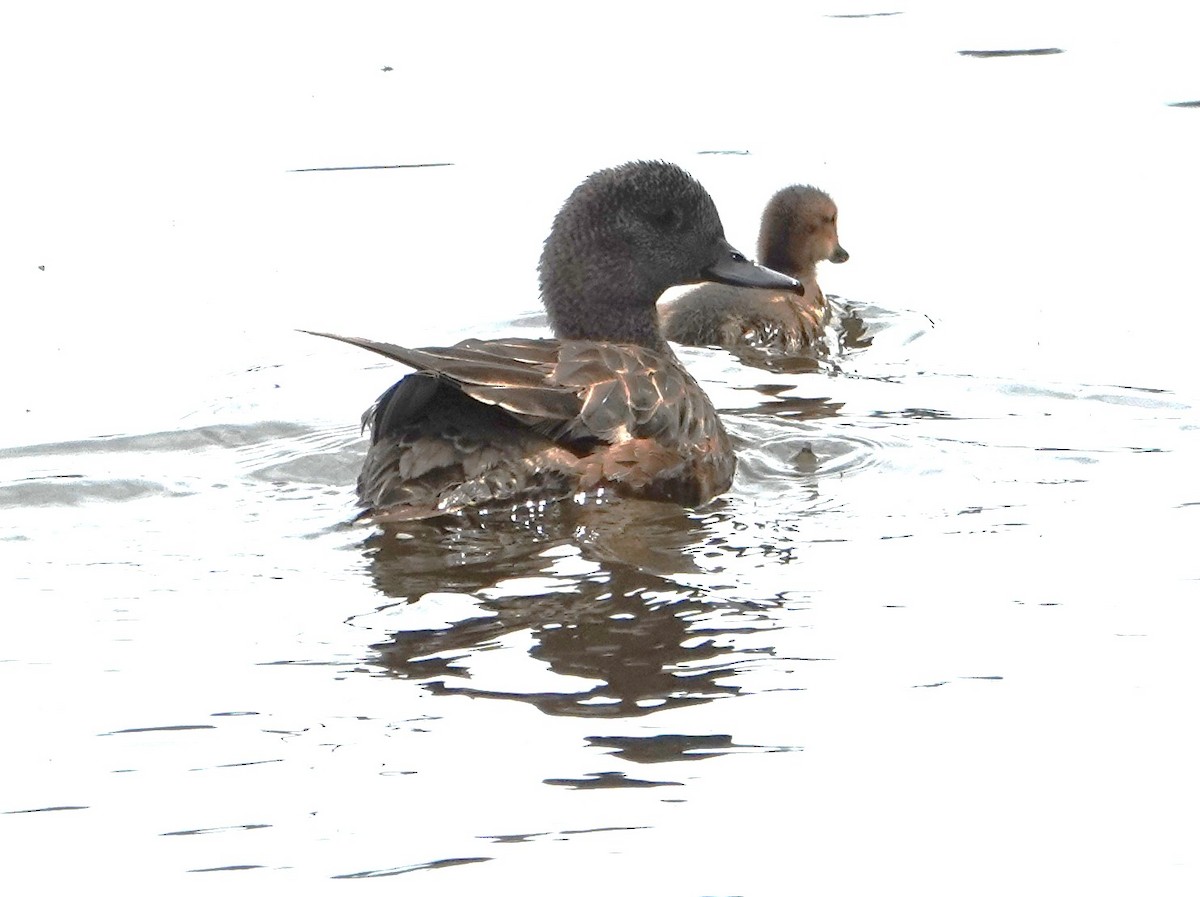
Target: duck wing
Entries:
(512, 374)
(552, 417)
(659, 435)
(573, 390)
(630, 391)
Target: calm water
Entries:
(938, 637)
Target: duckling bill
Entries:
(603, 405)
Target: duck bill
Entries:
(733, 268)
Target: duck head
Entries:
(624, 236)
(799, 229)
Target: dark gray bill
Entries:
(735, 269)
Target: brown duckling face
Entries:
(826, 246)
(799, 229)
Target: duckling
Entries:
(799, 229)
(605, 405)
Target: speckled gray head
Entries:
(624, 236)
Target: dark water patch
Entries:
(600, 829)
(847, 333)
(514, 839)
(805, 460)
(606, 780)
(1035, 390)
(374, 167)
(723, 152)
(770, 538)
(445, 556)
(141, 730)
(859, 324)
(774, 455)
(650, 538)
(337, 468)
(851, 330)
(235, 765)
(641, 642)
(795, 408)
(665, 748)
(42, 810)
(68, 490)
(238, 868)
(974, 509)
(1081, 455)
(529, 319)
(991, 54)
(318, 455)
(916, 414)
(862, 15)
(947, 682)
(473, 552)
(230, 435)
(1186, 104)
(192, 462)
(770, 389)
(210, 831)
(1131, 396)
(401, 870)
(779, 362)
(1135, 397)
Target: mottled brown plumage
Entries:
(607, 405)
(799, 229)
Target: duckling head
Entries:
(799, 229)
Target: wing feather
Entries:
(551, 416)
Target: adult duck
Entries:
(605, 405)
(799, 229)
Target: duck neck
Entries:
(633, 326)
(641, 329)
(605, 310)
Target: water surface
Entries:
(937, 636)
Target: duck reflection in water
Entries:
(538, 485)
(598, 610)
